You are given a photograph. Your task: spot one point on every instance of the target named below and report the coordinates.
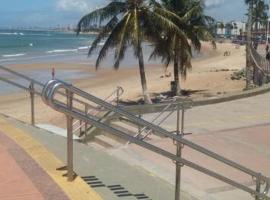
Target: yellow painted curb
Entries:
(76, 190)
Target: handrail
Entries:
(48, 96)
(78, 124)
(21, 75)
(147, 131)
(31, 81)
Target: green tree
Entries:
(221, 26)
(259, 12)
(172, 48)
(235, 27)
(128, 23)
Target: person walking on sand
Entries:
(268, 56)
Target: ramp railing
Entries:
(162, 116)
(80, 127)
(49, 96)
(35, 87)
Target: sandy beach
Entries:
(210, 77)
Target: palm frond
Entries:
(164, 23)
(111, 41)
(194, 10)
(122, 46)
(112, 9)
(103, 34)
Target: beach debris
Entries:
(239, 75)
(227, 53)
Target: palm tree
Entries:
(249, 67)
(235, 27)
(259, 12)
(128, 23)
(171, 48)
(221, 26)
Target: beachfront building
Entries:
(230, 29)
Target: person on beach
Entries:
(268, 55)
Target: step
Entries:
(106, 142)
(51, 129)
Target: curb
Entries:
(144, 109)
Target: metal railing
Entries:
(161, 117)
(49, 97)
(81, 128)
(25, 83)
(35, 87)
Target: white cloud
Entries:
(209, 3)
(73, 5)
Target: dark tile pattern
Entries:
(118, 190)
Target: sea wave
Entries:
(13, 55)
(39, 34)
(62, 51)
(83, 48)
(15, 33)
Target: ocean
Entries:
(16, 45)
(23, 47)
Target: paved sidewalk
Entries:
(21, 177)
(238, 130)
(98, 166)
(40, 165)
(247, 146)
(223, 116)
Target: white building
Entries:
(232, 28)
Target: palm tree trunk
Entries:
(249, 67)
(146, 95)
(177, 89)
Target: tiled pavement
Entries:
(21, 177)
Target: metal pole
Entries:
(117, 96)
(178, 154)
(258, 187)
(81, 127)
(70, 173)
(32, 97)
(139, 128)
(85, 124)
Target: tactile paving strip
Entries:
(118, 190)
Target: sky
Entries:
(50, 13)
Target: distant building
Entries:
(230, 29)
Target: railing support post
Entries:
(70, 173)
(85, 124)
(258, 187)
(179, 147)
(117, 96)
(81, 127)
(139, 127)
(32, 97)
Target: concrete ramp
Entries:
(106, 175)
